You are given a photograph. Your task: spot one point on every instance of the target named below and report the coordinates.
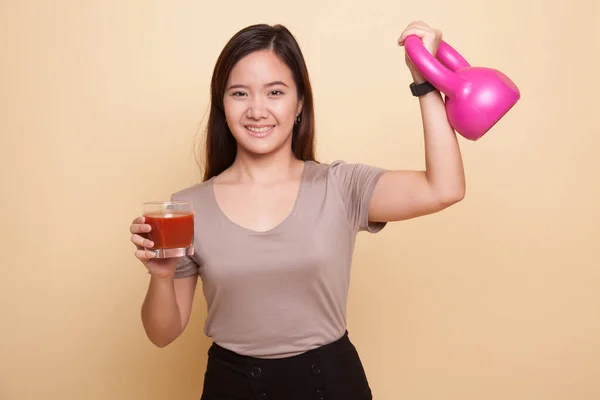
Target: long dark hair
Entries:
(220, 147)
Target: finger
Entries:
(414, 30)
(191, 250)
(417, 25)
(139, 220)
(144, 255)
(140, 228)
(421, 24)
(408, 32)
(420, 32)
(141, 242)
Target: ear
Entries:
(300, 105)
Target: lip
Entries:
(259, 134)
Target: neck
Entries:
(276, 167)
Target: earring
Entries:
(297, 118)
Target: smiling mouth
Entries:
(260, 131)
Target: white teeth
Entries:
(259, 130)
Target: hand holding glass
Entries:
(172, 224)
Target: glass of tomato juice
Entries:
(172, 225)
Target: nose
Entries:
(257, 108)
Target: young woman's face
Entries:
(261, 103)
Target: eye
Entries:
(238, 94)
(276, 92)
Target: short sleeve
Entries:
(356, 183)
(186, 266)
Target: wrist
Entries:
(417, 77)
(421, 89)
(418, 80)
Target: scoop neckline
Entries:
(277, 227)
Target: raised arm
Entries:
(405, 194)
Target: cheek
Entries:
(285, 110)
(232, 109)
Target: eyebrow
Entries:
(275, 83)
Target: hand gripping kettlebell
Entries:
(476, 98)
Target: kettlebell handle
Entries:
(450, 58)
(439, 70)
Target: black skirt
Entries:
(331, 372)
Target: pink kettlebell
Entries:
(476, 97)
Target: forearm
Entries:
(444, 166)
(160, 313)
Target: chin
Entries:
(261, 149)
(262, 143)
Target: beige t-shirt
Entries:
(282, 292)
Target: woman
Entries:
(275, 229)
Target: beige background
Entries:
(495, 298)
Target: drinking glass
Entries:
(172, 225)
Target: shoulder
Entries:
(351, 184)
(342, 172)
(348, 179)
(193, 192)
(337, 169)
